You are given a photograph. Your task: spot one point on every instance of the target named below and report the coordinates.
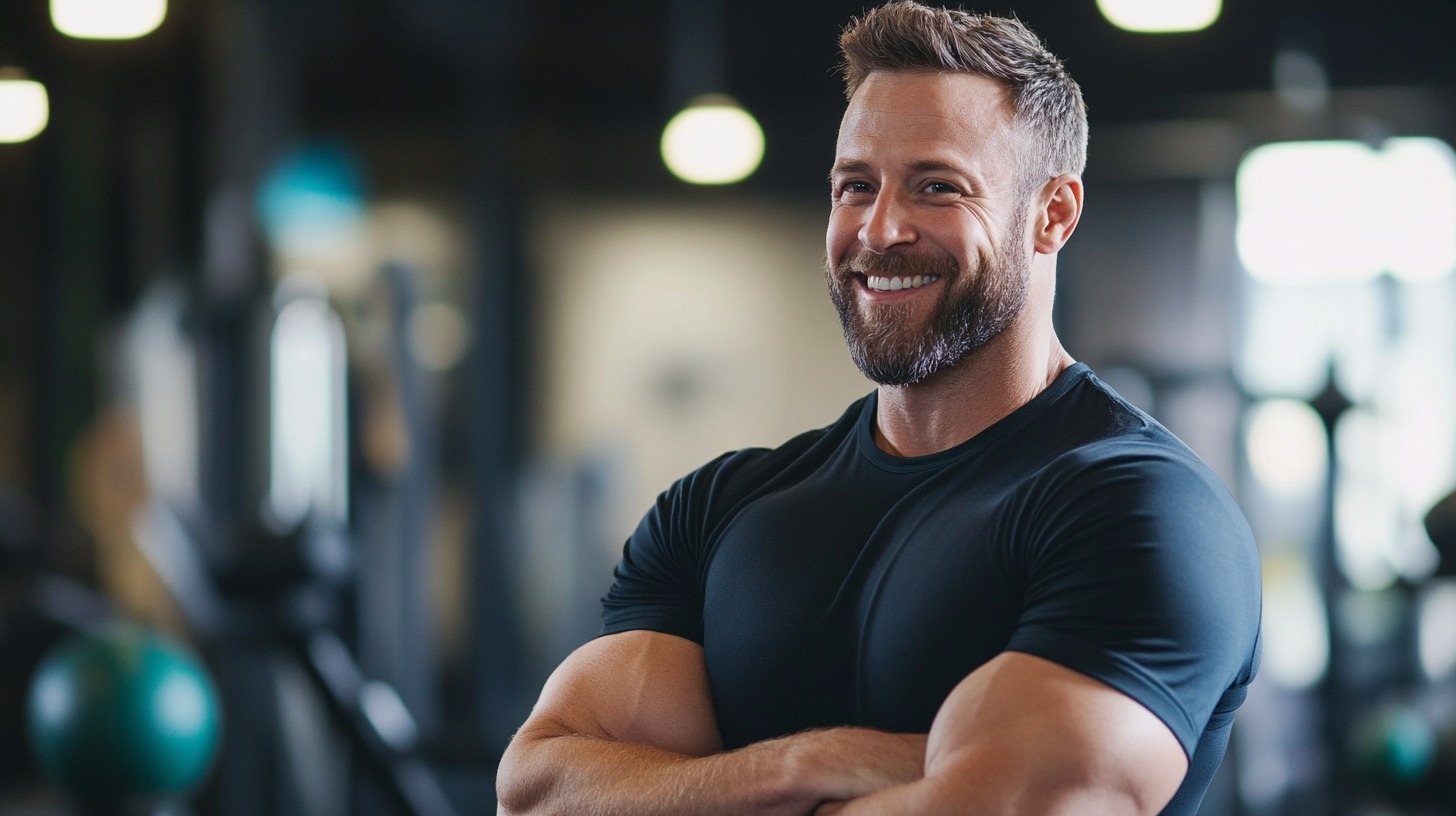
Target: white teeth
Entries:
(883, 284)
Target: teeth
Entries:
(883, 284)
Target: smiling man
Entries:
(992, 586)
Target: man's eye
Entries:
(854, 187)
(940, 187)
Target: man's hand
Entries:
(843, 763)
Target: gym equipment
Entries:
(121, 712)
(260, 557)
(287, 586)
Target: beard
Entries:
(886, 342)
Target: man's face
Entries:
(927, 253)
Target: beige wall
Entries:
(673, 333)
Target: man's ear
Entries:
(1058, 208)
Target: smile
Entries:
(888, 284)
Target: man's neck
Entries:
(960, 402)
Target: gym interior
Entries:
(343, 343)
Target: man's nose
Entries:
(887, 224)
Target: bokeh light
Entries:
(1161, 16)
(1340, 211)
(712, 141)
(107, 19)
(1296, 633)
(24, 107)
(1287, 447)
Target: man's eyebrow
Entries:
(855, 166)
(849, 166)
(937, 166)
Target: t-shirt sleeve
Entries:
(1143, 574)
(654, 584)
(658, 583)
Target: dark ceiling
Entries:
(579, 90)
(592, 75)
(582, 88)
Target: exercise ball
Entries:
(122, 711)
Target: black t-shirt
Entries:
(830, 583)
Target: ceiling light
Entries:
(24, 106)
(712, 141)
(1160, 16)
(107, 19)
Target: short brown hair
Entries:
(907, 36)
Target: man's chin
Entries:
(895, 367)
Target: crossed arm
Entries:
(626, 726)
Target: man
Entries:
(992, 586)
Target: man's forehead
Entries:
(926, 96)
(866, 122)
(952, 88)
(924, 106)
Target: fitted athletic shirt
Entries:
(830, 583)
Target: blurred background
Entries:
(343, 343)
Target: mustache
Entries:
(869, 263)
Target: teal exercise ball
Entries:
(122, 711)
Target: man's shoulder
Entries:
(1096, 425)
(1107, 447)
(745, 469)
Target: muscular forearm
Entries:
(953, 797)
(560, 773)
(1025, 736)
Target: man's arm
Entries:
(1022, 735)
(626, 725)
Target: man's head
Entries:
(907, 36)
(957, 164)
